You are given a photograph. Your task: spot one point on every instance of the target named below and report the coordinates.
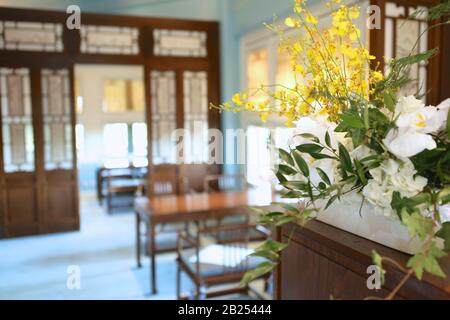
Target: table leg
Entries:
(138, 240)
(152, 256)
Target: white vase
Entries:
(387, 231)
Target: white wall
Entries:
(90, 79)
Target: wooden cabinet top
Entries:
(325, 261)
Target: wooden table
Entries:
(192, 207)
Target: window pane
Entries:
(195, 116)
(79, 139)
(258, 155)
(123, 95)
(79, 103)
(55, 90)
(115, 141)
(17, 124)
(257, 70)
(139, 133)
(163, 116)
(285, 75)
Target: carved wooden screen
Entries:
(38, 171)
(398, 38)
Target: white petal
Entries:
(409, 143)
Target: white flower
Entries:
(414, 123)
(392, 176)
(443, 108)
(405, 143)
(317, 127)
(444, 212)
(424, 120)
(408, 104)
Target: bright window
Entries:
(123, 95)
(115, 143)
(79, 139)
(284, 75)
(258, 155)
(257, 72)
(139, 141)
(124, 144)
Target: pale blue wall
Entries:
(238, 18)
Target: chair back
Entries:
(227, 248)
(163, 179)
(224, 182)
(194, 174)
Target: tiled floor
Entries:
(36, 267)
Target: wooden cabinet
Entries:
(323, 262)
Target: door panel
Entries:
(21, 199)
(59, 198)
(60, 186)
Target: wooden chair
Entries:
(122, 181)
(230, 182)
(209, 263)
(225, 182)
(194, 174)
(164, 180)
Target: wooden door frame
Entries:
(71, 56)
(438, 65)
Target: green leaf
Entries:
(265, 254)
(295, 185)
(444, 195)
(286, 157)
(292, 195)
(344, 156)
(360, 171)
(389, 100)
(413, 59)
(309, 148)
(351, 119)
(429, 263)
(328, 139)
(285, 219)
(280, 177)
(321, 156)
(323, 176)
(309, 136)
(260, 270)
(271, 245)
(331, 200)
(417, 224)
(378, 261)
(301, 163)
(400, 204)
(287, 206)
(286, 170)
(444, 233)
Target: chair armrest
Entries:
(183, 236)
(265, 231)
(227, 227)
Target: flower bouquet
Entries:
(356, 141)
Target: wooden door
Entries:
(38, 180)
(59, 174)
(38, 175)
